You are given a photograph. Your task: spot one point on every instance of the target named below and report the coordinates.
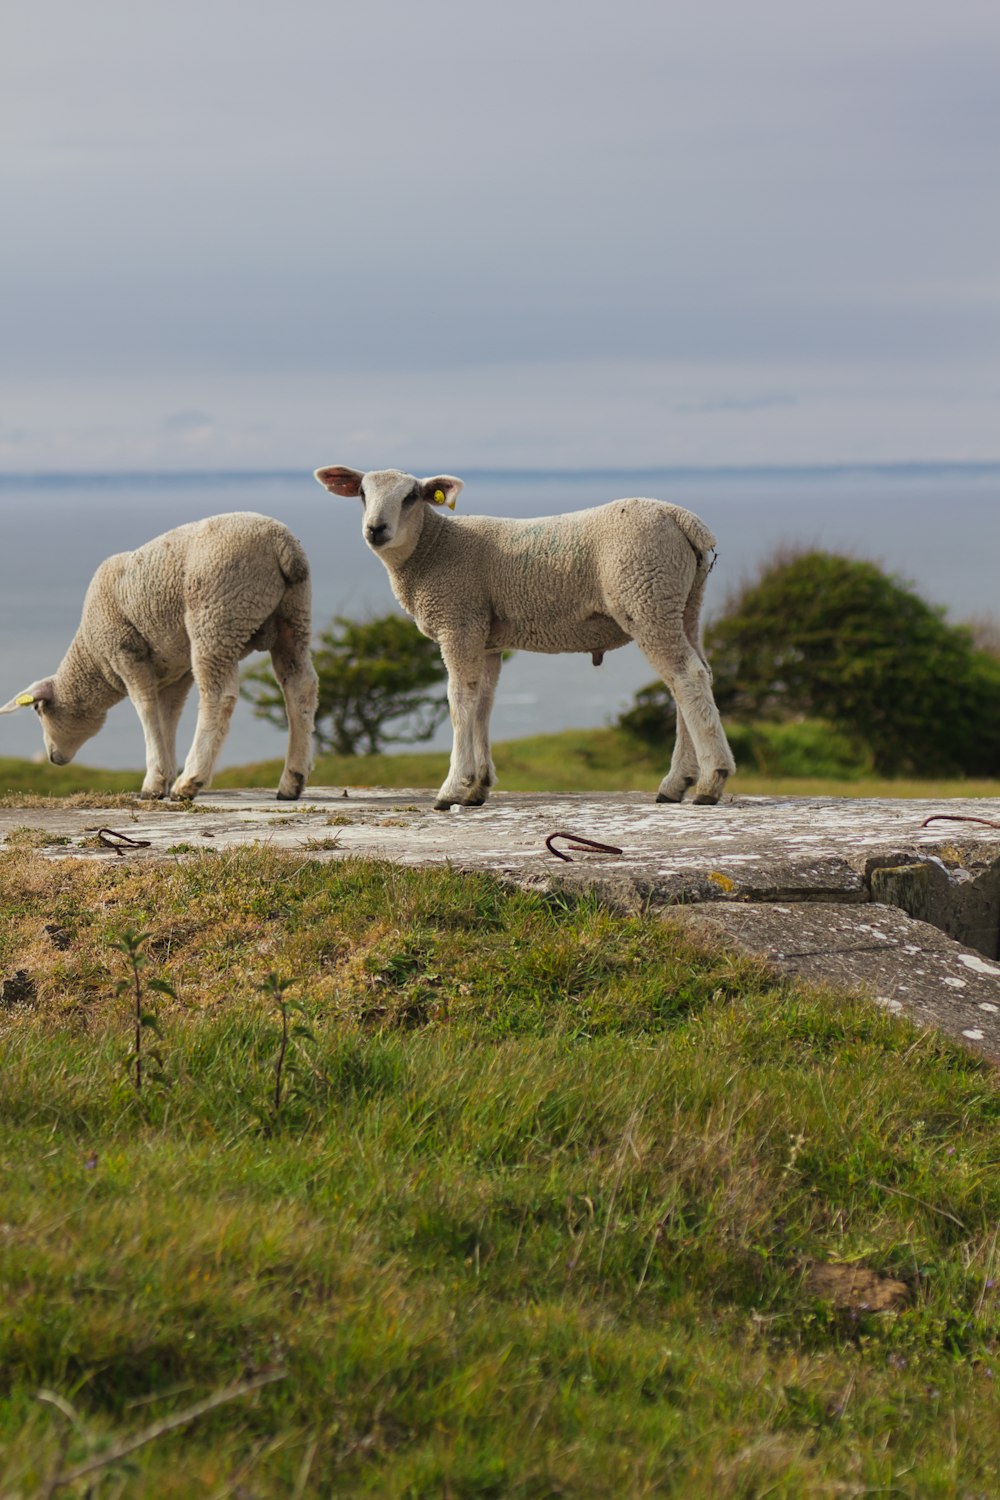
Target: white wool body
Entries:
(588, 581)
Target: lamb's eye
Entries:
(412, 496)
(361, 492)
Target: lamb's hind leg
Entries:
(218, 690)
(683, 771)
(687, 676)
(299, 684)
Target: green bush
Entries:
(803, 747)
(822, 637)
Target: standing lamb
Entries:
(186, 607)
(633, 570)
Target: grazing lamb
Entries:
(633, 570)
(186, 607)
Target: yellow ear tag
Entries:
(439, 499)
(24, 700)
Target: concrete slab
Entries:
(904, 965)
(857, 877)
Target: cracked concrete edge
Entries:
(904, 965)
(795, 881)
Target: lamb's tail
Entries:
(697, 533)
(291, 557)
(702, 543)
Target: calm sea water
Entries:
(936, 526)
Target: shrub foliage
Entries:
(380, 682)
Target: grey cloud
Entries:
(325, 190)
(186, 421)
(747, 403)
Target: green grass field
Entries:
(583, 760)
(542, 1202)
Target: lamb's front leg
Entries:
(486, 771)
(466, 672)
(158, 736)
(172, 701)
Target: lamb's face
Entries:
(65, 727)
(393, 502)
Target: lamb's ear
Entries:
(340, 481)
(443, 490)
(38, 692)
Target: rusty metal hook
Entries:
(578, 842)
(119, 842)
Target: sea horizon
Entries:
(889, 468)
(934, 524)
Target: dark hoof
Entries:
(298, 782)
(711, 787)
(662, 797)
(187, 792)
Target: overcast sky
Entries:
(543, 233)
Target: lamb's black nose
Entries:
(377, 534)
